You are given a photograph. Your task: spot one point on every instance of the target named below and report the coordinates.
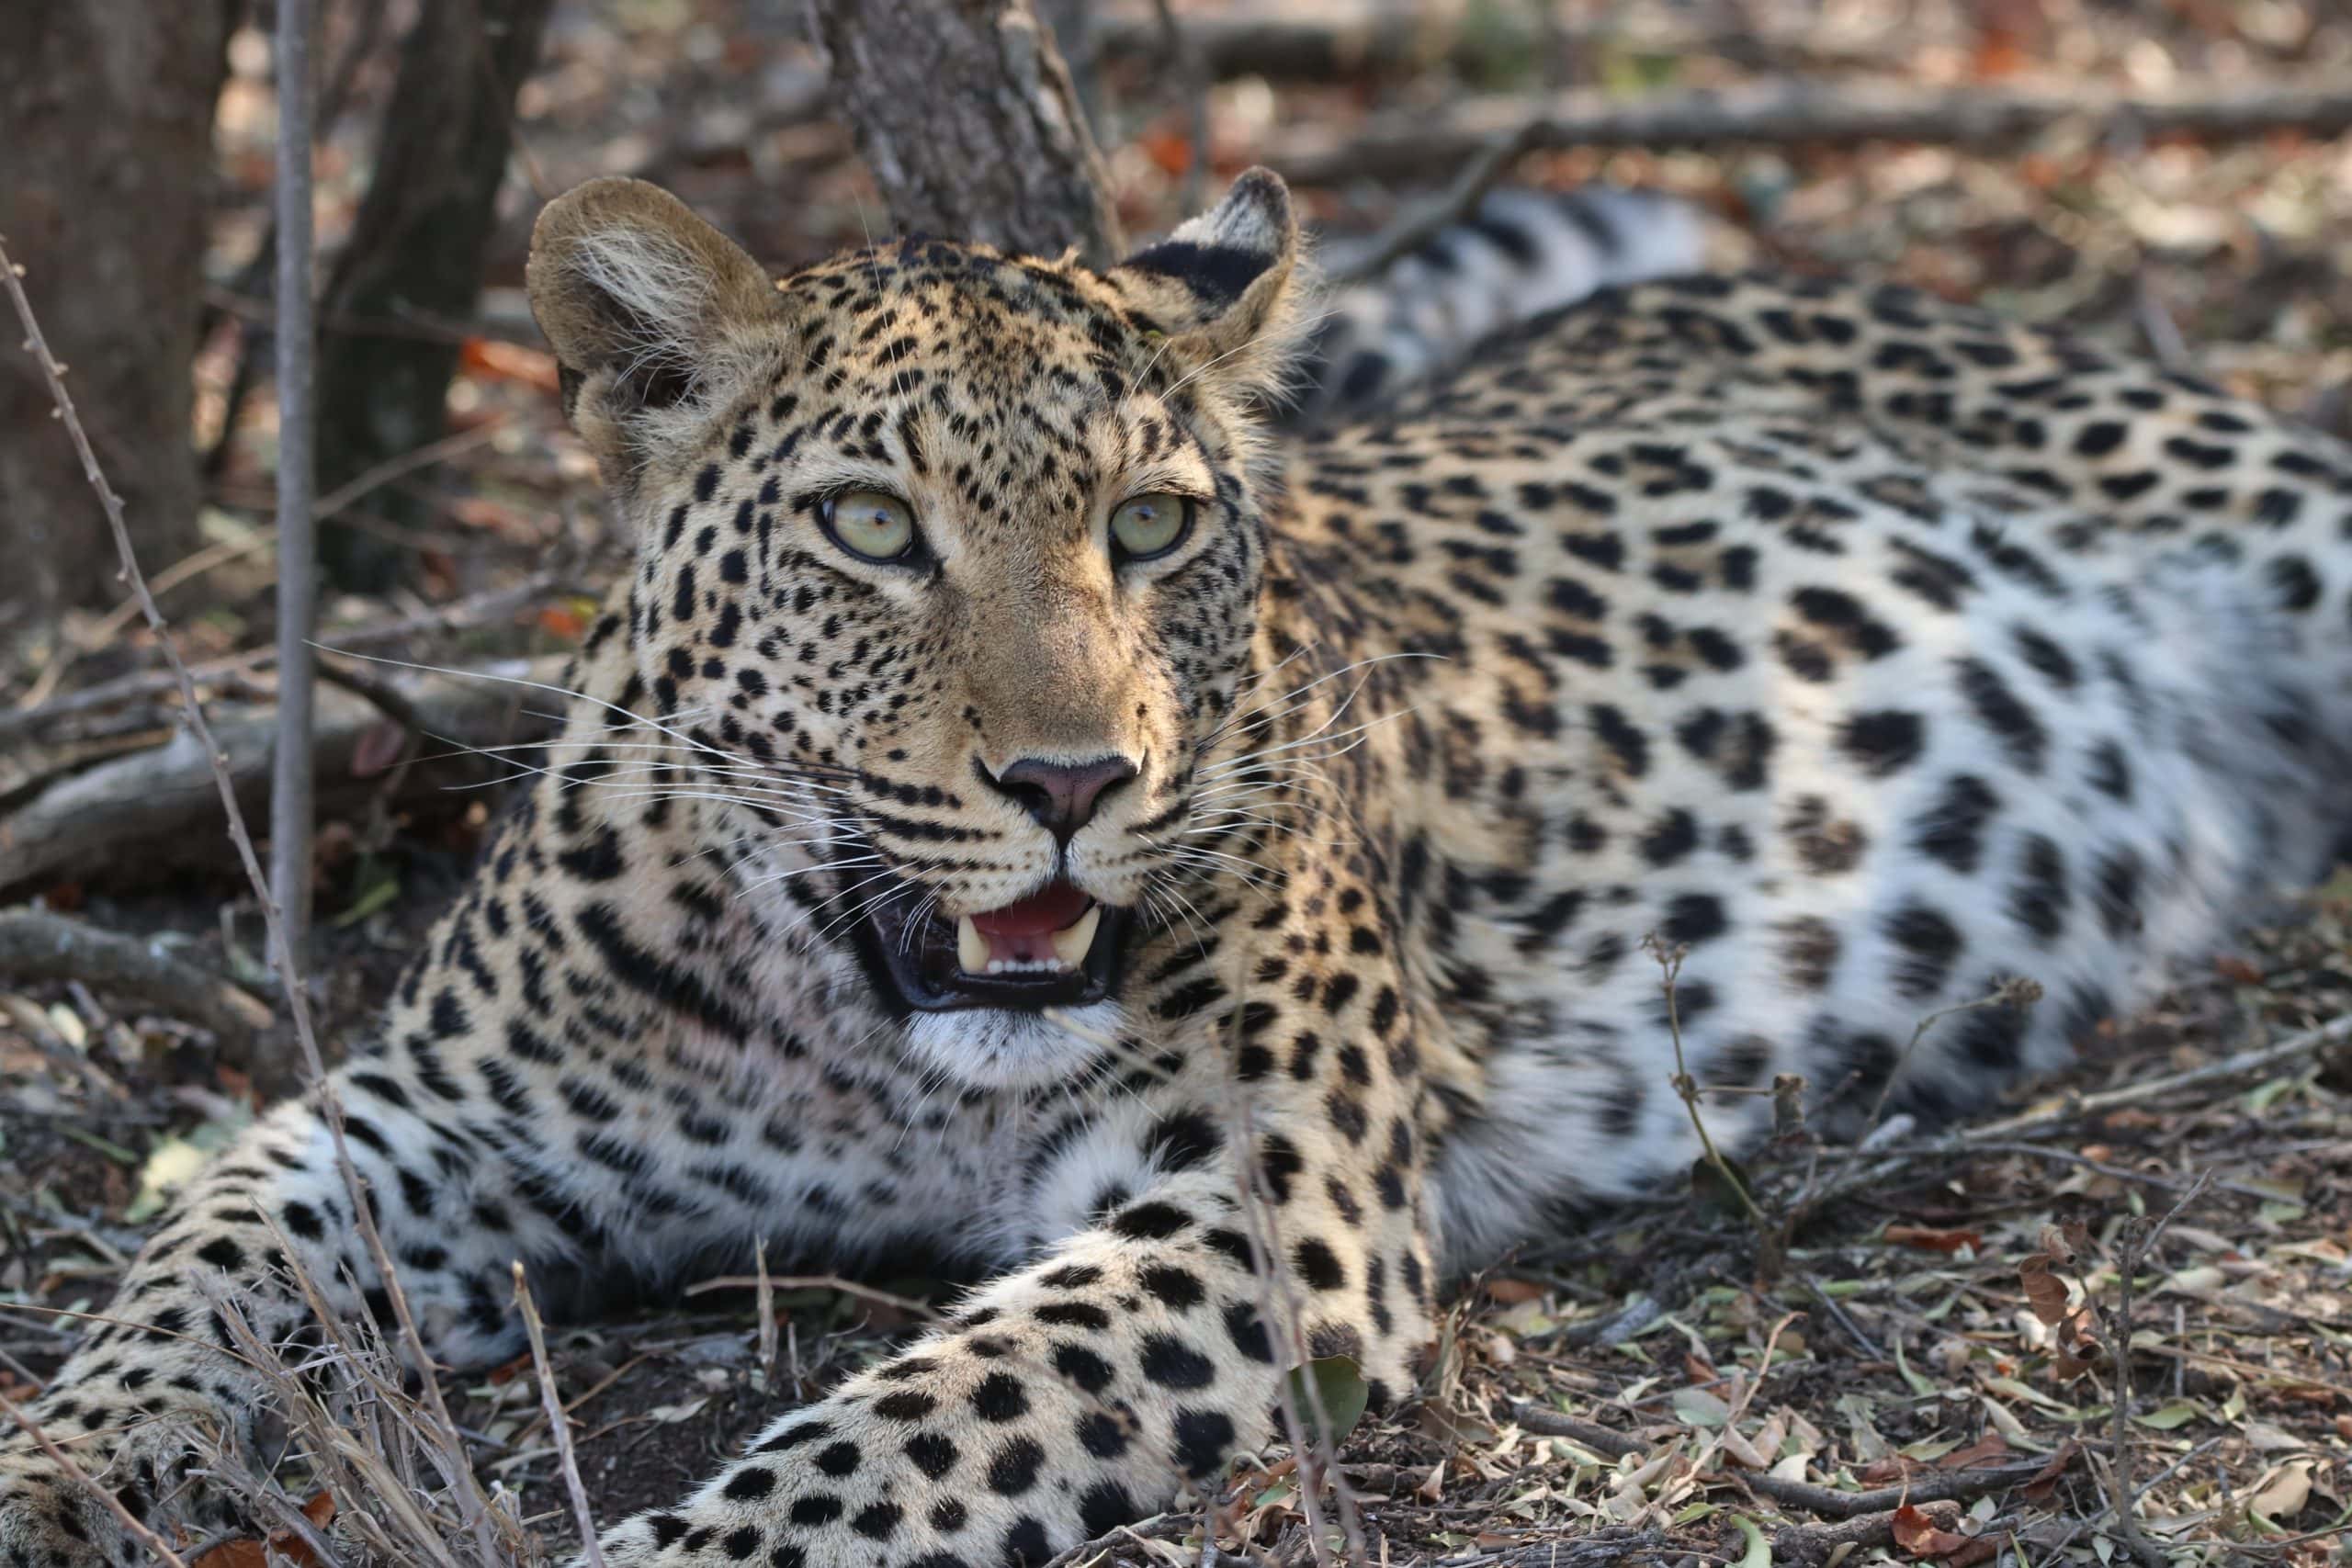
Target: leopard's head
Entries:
(949, 563)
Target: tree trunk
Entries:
(105, 117)
(414, 260)
(968, 121)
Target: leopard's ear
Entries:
(649, 309)
(1228, 286)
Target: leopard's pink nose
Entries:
(1062, 796)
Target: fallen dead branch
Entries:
(1952, 1486)
(1778, 114)
(1959, 1486)
(131, 804)
(460, 614)
(1867, 1532)
(36, 944)
(1331, 43)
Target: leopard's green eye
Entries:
(1150, 526)
(870, 525)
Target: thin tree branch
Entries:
(1786, 113)
(1461, 198)
(290, 805)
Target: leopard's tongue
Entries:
(1058, 906)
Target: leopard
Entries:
(1022, 806)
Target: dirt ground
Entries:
(1937, 1320)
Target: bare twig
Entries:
(290, 810)
(1601, 1440)
(1956, 1486)
(1867, 1532)
(559, 1423)
(2004, 1134)
(1142, 1531)
(450, 1455)
(2119, 1173)
(1844, 1320)
(1315, 1445)
(2122, 1496)
(340, 500)
(907, 1305)
(1670, 962)
(2158, 326)
(2334, 1031)
(1459, 201)
(2008, 993)
(186, 569)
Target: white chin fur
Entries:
(998, 1048)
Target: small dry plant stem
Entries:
(2008, 993)
(449, 1451)
(1670, 962)
(766, 1299)
(559, 1423)
(1315, 1446)
(923, 1311)
(2122, 1497)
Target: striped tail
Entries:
(1523, 253)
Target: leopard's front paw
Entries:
(48, 1519)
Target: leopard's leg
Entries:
(453, 1214)
(1077, 1393)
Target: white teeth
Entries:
(1072, 942)
(971, 947)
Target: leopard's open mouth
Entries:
(1057, 947)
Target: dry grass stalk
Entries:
(559, 1423)
(2140, 1242)
(446, 1447)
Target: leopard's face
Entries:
(950, 575)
